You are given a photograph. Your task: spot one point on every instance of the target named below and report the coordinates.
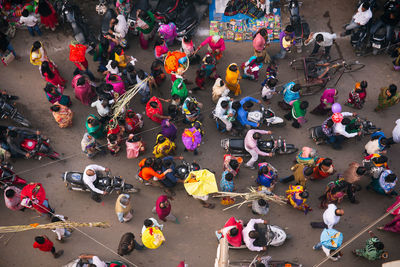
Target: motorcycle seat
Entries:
(318, 131)
(236, 144)
(269, 114)
(75, 178)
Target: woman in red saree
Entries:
(48, 16)
(50, 74)
(154, 110)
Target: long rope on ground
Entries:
(358, 235)
(61, 224)
(88, 236)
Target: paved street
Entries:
(193, 240)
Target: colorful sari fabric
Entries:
(384, 101)
(57, 80)
(150, 111)
(181, 92)
(37, 57)
(132, 124)
(64, 116)
(83, 93)
(356, 98)
(95, 131)
(320, 174)
(393, 226)
(57, 96)
(168, 32)
(191, 138)
(163, 149)
(118, 85)
(296, 202)
(232, 80)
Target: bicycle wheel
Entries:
(353, 66)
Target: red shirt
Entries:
(46, 246)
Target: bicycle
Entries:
(311, 86)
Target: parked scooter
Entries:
(74, 181)
(301, 27)
(265, 116)
(8, 177)
(8, 110)
(70, 13)
(318, 136)
(270, 235)
(275, 146)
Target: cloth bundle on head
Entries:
(77, 52)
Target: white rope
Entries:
(358, 235)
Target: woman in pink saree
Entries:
(83, 89)
(327, 100)
(116, 82)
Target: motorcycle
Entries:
(8, 177)
(8, 110)
(265, 116)
(301, 27)
(366, 128)
(378, 39)
(74, 181)
(39, 148)
(275, 146)
(182, 171)
(182, 12)
(270, 235)
(70, 13)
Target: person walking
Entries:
(44, 244)
(301, 174)
(163, 209)
(373, 249)
(31, 23)
(387, 97)
(123, 208)
(260, 44)
(48, 16)
(62, 114)
(331, 217)
(83, 89)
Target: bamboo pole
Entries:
(66, 224)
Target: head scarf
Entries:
(86, 142)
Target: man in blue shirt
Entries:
(246, 103)
(291, 92)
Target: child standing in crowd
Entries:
(357, 95)
(268, 89)
(30, 21)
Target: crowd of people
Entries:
(180, 116)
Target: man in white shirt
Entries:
(89, 178)
(340, 128)
(324, 39)
(331, 217)
(223, 111)
(250, 235)
(102, 106)
(30, 21)
(363, 15)
(395, 133)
